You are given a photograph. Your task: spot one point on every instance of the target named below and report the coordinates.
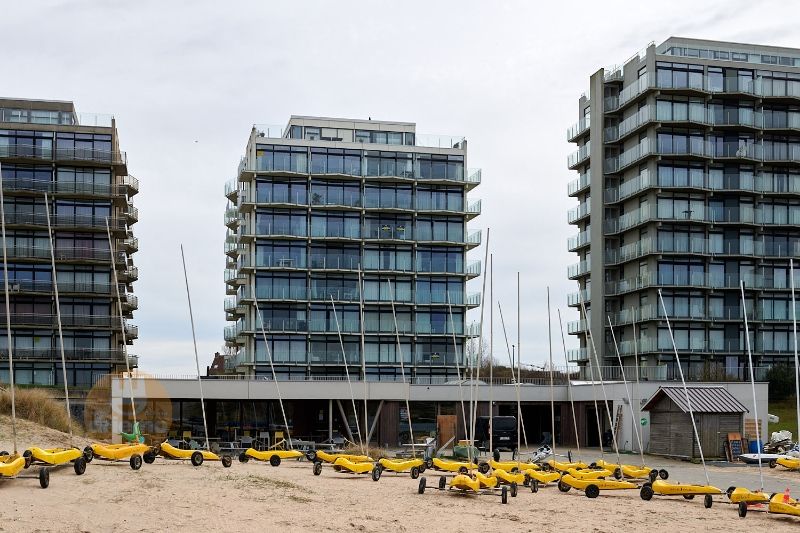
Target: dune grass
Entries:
(38, 405)
(786, 410)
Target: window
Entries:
(335, 193)
(281, 286)
(329, 351)
(282, 348)
(323, 318)
(379, 289)
(335, 224)
(388, 195)
(280, 222)
(277, 317)
(335, 161)
(440, 167)
(449, 229)
(282, 158)
(335, 257)
(339, 287)
(385, 226)
(283, 254)
(440, 260)
(440, 291)
(388, 164)
(92, 146)
(387, 258)
(281, 192)
(431, 198)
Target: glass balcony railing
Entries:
(575, 298)
(579, 127)
(579, 184)
(578, 269)
(579, 156)
(334, 262)
(577, 213)
(579, 240)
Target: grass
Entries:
(38, 405)
(786, 410)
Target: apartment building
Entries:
(47, 148)
(350, 237)
(688, 162)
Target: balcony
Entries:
(131, 331)
(575, 298)
(578, 355)
(579, 156)
(131, 273)
(574, 131)
(71, 354)
(700, 280)
(64, 254)
(578, 269)
(474, 239)
(131, 244)
(579, 184)
(130, 302)
(578, 326)
(473, 209)
(65, 221)
(132, 184)
(578, 213)
(473, 269)
(132, 214)
(231, 190)
(38, 152)
(46, 286)
(578, 241)
(473, 178)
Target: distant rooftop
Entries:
(730, 51)
(348, 130)
(49, 112)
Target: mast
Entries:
(625, 382)
(58, 316)
(402, 369)
(458, 366)
(569, 384)
(491, 354)
(347, 374)
(479, 359)
(8, 316)
(591, 371)
(121, 323)
(552, 393)
(196, 358)
(519, 372)
(271, 365)
(796, 362)
(753, 385)
(515, 381)
(638, 387)
(685, 390)
(363, 352)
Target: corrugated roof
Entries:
(704, 399)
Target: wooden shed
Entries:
(716, 413)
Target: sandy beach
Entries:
(174, 496)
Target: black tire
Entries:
(428, 463)
(3, 453)
(149, 457)
(563, 487)
(534, 485)
(79, 465)
(422, 482)
(422, 468)
(618, 473)
(546, 467)
(28, 461)
(646, 493)
(514, 489)
(227, 461)
(592, 491)
(311, 455)
(88, 454)
(653, 475)
(462, 470)
(135, 461)
(483, 468)
(504, 495)
(729, 491)
(688, 496)
(243, 457)
(773, 463)
(414, 472)
(275, 460)
(442, 482)
(197, 458)
(593, 465)
(663, 474)
(376, 473)
(708, 501)
(496, 454)
(742, 509)
(44, 477)
(317, 468)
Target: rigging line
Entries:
(402, 370)
(569, 384)
(58, 317)
(591, 372)
(196, 358)
(552, 386)
(479, 359)
(625, 382)
(491, 354)
(271, 365)
(363, 354)
(121, 321)
(520, 423)
(458, 366)
(8, 316)
(796, 362)
(753, 385)
(638, 388)
(347, 374)
(685, 389)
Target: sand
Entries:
(175, 496)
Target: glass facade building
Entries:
(356, 217)
(48, 148)
(688, 162)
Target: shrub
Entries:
(38, 405)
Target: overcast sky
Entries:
(187, 79)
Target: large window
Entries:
(281, 286)
(387, 258)
(285, 254)
(386, 226)
(26, 143)
(684, 305)
(382, 320)
(335, 193)
(440, 198)
(282, 318)
(336, 287)
(437, 351)
(82, 278)
(681, 273)
(282, 158)
(27, 177)
(440, 167)
(379, 289)
(281, 192)
(280, 222)
(387, 350)
(440, 229)
(94, 146)
(323, 318)
(388, 195)
(438, 321)
(282, 348)
(89, 212)
(679, 75)
(335, 257)
(336, 224)
(389, 164)
(440, 291)
(440, 260)
(335, 161)
(329, 351)
(86, 177)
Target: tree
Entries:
(781, 382)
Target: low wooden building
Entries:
(716, 414)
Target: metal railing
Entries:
(579, 184)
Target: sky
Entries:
(187, 79)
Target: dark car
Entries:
(504, 432)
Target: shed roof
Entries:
(703, 399)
